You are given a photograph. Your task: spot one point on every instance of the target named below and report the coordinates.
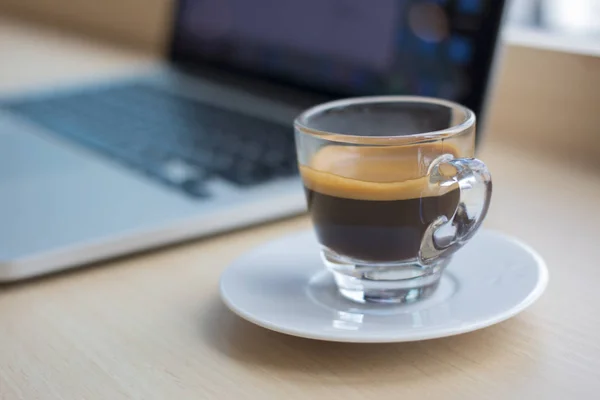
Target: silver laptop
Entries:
(205, 143)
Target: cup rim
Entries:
(301, 125)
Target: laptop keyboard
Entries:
(173, 139)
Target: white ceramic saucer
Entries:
(282, 285)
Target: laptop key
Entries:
(195, 188)
(245, 174)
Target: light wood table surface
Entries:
(152, 326)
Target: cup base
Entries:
(388, 283)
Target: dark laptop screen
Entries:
(438, 48)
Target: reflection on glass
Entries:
(348, 321)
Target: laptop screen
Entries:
(440, 48)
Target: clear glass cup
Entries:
(392, 189)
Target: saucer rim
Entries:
(403, 335)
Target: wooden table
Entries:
(152, 326)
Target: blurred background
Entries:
(557, 17)
(145, 23)
(205, 141)
(545, 40)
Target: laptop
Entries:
(204, 143)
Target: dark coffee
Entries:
(382, 212)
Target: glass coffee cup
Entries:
(393, 191)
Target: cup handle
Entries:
(445, 236)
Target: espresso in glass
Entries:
(393, 191)
(377, 209)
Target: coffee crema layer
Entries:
(375, 173)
